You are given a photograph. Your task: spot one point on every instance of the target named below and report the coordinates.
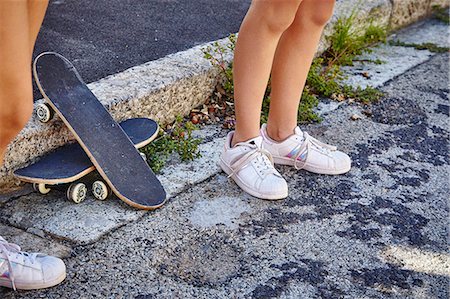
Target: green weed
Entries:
(325, 78)
(366, 95)
(305, 113)
(176, 139)
(348, 41)
(441, 13)
(425, 46)
(216, 54)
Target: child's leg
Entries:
(36, 13)
(291, 65)
(20, 21)
(258, 38)
(19, 25)
(282, 138)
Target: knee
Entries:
(277, 15)
(23, 115)
(14, 120)
(15, 115)
(322, 14)
(16, 100)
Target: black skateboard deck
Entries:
(104, 141)
(70, 163)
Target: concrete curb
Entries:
(173, 85)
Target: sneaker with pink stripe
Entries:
(303, 151)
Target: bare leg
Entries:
(20, 21)
(259, 35)
(291, 65)
(19, 24)
(36, 13)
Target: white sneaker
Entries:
(305, 152)
(251, 167)
(28, 271)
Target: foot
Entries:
(28, 271)
(305, 152)
(251, 167)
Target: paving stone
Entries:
(176, 176)
(84, 223)
(221, 210)
(433, 263)
(395, 61)
(430, 31)
(10, 194)
(55, 215)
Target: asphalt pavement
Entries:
(104, 37)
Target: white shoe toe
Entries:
(52, 268)
(342, 162)
(274, 186)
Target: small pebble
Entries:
(355, 117)
(367, 112)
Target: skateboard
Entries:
(99, 135)
(69, 163)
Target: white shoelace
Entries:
(308, 142)
(10, 248)
(255, 153)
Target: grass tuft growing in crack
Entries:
(441, 13)
(175, 139)
(349, 41)
(425, 46)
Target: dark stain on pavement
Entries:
(387, 278)
(405, 224)
(311, 272)
(441, 108)
(395, 111)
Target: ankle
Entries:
(278, 134)
(241, 138)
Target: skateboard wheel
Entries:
(77, 192)
(44, 113)
(144, 157)
(41, 188)
(100, 190)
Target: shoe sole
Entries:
(37, 286)
(242, 185)
(290, 162)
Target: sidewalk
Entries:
(379, 231)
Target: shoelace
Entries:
(308, 142)
(7, 249)
(256, 153)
